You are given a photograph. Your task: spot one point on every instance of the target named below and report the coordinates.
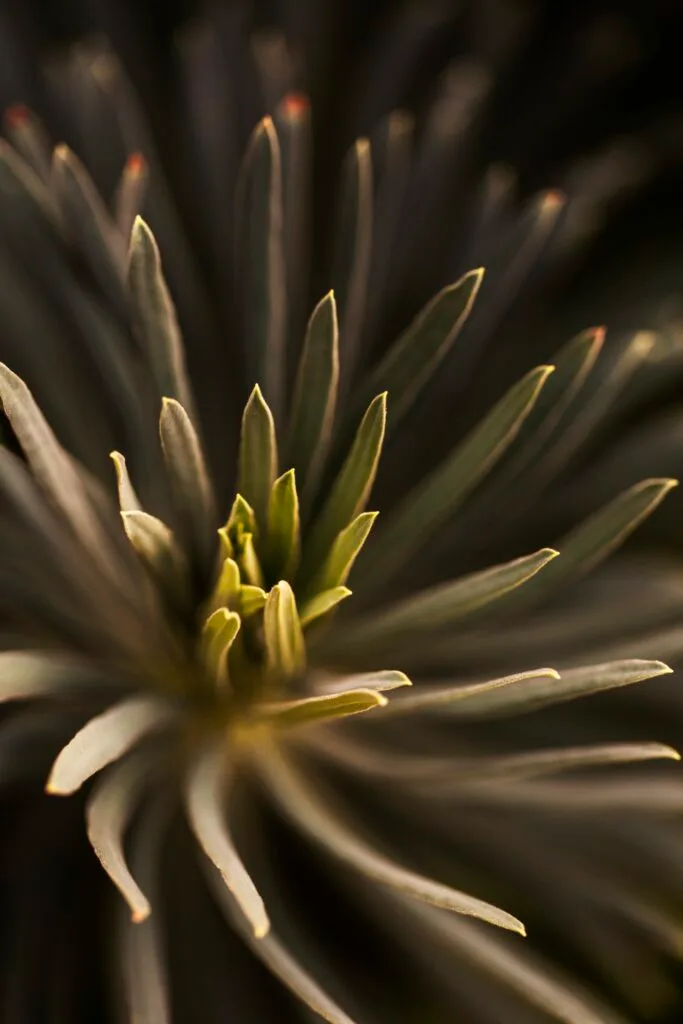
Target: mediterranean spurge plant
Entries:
(242, 664)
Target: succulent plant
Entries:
(321, 723)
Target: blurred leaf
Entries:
(447, 697)
(218, 634)
(353, 250)
(104, 739)
(315, 396)
(128, 499)
(188, 476)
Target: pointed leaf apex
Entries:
(138, 916)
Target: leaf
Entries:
(448, 697)
(285, 648)
(252, 600)
(87, 221)
(595, 538)
(435, 499)
(227, 589)
(188, 476)
(315, 396)
(260, 258)
(281, 963)
(218, 634)
(104, 739)
(207, 783)
(257, 456)
(388, 679)
(242, 515)
(29, 139)
(108, 812)
(345, 550)
(249, 563)
(154, 317)
(157, 549)
(321, 604)
(129, 199)
(353, 249)
(444, 604)
(26, 674)
(414, 357)
(350, 490)
(283, 544)
(128, 499)
(307, 810)
(527, 694)
(323, 708)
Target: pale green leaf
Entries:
(157, 549)
(283, 544)
(227, 589)
(104, 739)
(128, 499)
(252, 599)
(436, 498)
(284, 640)
(351, 489)
(322, 603)
(207, 783)
(444, 604)
(260, 260)
(345, 550)
(322, 708)
(447, 697)
(218, 635)
(26, 674)
(383, 681)
(315, 396)
(249, 563)
(154, 317)
(257, 456)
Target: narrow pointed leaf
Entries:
(188, 475)
(206, 787)
(351, 489)
(283, 544)
(315, 396)
(154, 317)
(251, 599)
(388, 679)
(260, 257)
(26, 674)
(345, 550)
(128, 201)
(104, 739)
(108, 812)
(322, 603)
(285, 648)
(307, 810)
(29, 139)
(529, 694)
(249, 563)
(448, 697)
(353, 250)
(257, 456)
(324, 708)
(437, 497)
(157, 548)
(593, 540)
(128, 499)
(226, 592)
(443, 605)
(413, 359)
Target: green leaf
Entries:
(218, 635)
(593, 540)
(154, 317)
(188, 475)
(443, 605)
(252, 599)
(242, 515)
(353, 249)
(104, 739)
(387, 679)
(446, 698)
(345, 550)
(283, 545)
(524, 694)
(227, 589)
(414, 357)
(315, 396)
(284, 640)
(292, 713)
(258, 456)
(435, 499)
(128, 499)
(351, 489)
(260, 258)
(322, 603)
(248, 560)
